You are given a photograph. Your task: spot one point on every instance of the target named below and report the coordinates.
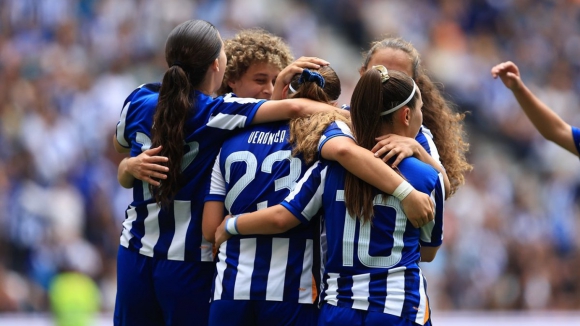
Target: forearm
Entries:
(546, 121)
(362, 163)
(123, 176)
(273, 220)
(213, 214)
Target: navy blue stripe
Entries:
(345, 291)
(166, 232)
(193, 235)
(378, 292)
(261, 268)
(231, 271)
(138, 227)
(412, 298)
(294, 267)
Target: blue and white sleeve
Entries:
(335, 129)
(235, 112)
(425, 138)
(123, 137)
(305, 200)
(432, 233)
(217, 185)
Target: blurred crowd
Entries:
(67, 65)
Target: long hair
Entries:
(370, 98)
(190, 49)
(438, 114)
(305, 132)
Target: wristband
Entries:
(232, 225)
(403, 190)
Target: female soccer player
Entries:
(264, 280)
(442, 134)
(548, 123)
(372, 274)
(164, 266)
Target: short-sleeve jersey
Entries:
(254, 170)
(372, 266)
(174, 232)
(576, 137)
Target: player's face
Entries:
(416, 117)
(257, 82)
(222, 62)
(392, 59)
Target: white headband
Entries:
(292, 90)
(402, 104)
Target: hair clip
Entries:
(384, 72)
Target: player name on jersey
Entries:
(267, 138)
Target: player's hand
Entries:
(419, 208)
(391, 145)
(221, 235)
(509, 74)
(146, 166)
(285, 76)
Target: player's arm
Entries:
(292, 108)
(118, 147)
(428, 253)
(546, 121)
(400, 147)
(272, 220)
(285, 76)
(213, 215)
(146, 166)
(363, 164)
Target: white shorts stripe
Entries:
(126, 235)
(360, 291)
(182, 217)
(151, 224)
(306, 277)
(395, 291)
(244, 276)
(278, 265)
(220, 268)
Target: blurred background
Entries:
(67, 65)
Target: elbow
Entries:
(428, 254)
(295, 109)
(210, 237)
(281, 224)
(342, 151)
(427, 258)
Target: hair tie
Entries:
(178, 64)
(402, 104)
(311, 76)
(383, 71)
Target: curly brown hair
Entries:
(439, 116)
(251, 46)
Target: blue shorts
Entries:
(334, 316)
(266, 313)
(156, 292)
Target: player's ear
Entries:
(285, 91)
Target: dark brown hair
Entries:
(370, 98)
(190, 49)
(445, 124)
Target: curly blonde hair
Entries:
(252, 46)
(445, 124)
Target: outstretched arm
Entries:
(362, 163)
(546, 121)
(292, 108)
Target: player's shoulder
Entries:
(144, 95)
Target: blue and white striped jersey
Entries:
(372, 266)
(576, 136)
(174, 233)
(255, 170)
